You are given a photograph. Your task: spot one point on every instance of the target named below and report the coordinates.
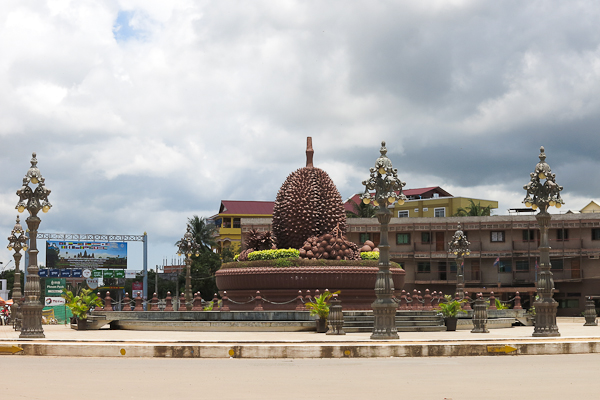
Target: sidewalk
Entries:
(61, 340)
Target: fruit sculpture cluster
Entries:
(331, 246)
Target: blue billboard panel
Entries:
(65, 273)
(53, 273)
(43, 273)
(77, 273)
(80, 255)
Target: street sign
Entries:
(55, 286)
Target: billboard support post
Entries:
(145, 240)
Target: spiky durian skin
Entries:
(308, 204)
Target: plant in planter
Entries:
(81, 304)
(320, 308)
(450, 309)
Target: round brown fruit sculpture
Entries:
(307, 205)
(331, 246)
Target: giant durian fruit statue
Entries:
(307, 205)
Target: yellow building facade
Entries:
(228, 220)
(438, 207)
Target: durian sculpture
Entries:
(308, 205)
(331, 246)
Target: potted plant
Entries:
(81, 304)
(450, 309)
(320, 308)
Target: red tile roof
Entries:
(348, 206)
(237, 207)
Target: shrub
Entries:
(369, 255)
(299, 262)
(273, 254)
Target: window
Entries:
(402, 238)
(423, 266)
(556, 265)
(439, 212)
(562, 234)
(425, 209)
(218, 222)
(596, 234)
(497, 236)
(403, 214)
(237, 223)
(568, 303)
(425, 237)
(522, 266)
(364, 237)
(436, 195)
(453, 266)
(227, 223)
(504, 266)
(416, 210)
(528, 235)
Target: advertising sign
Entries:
(92, 283)
(119, 273)
(76, 273)
(68, 254)
(131, 274)
(54, 301)
(108, 273)
(137, 289)
(97, 273)
(53, 273)
(43, 273)
(55, 286)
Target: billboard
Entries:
(68, 254)
(55, 286)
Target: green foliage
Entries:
(300, 262)
(283, 262)
(320, 306)
(369, 255)
(501, 306)
(203, 231)
(273, 254)
(473, 210)
(235, 258)
(229, 253)
(81, 304)
(451, 308)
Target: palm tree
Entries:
(361, 210)
(204, 232)
(473, 210)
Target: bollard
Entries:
(197, 302)
(258, 302)
(299, 302)
(225, 299)
(126, 302)
(138, 303)
(308, 297)
(403, 301)
(107, 302)
(182, 303)
(99, 308)
(434, 299)
(467, 304)
(169, 302)
(215, 301)
(336, 316)
(427, 301)
(154, 302)
(414, 304)
(590, 313)
(492, 301)
(518, 305)
(480, 316)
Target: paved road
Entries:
(436, 378)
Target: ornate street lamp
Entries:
(188, 246)
(459, 246)
(388, 189)
(17, 241)
(542, 192)
(32, 201)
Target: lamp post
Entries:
(543, 192)
(32, 201)
(17, 241)
(384, 180)
(459, 246)
(188, 246)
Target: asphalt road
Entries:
(501, 377)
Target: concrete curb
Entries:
(304, 350)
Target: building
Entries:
(428, 202)
(420, 245)
(228, 220)
(592, 207)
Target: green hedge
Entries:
(369, 255)
(302, 262)
(273, 254)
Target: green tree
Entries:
(361, 210)
(473, 210)
(204, 232)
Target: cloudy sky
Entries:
(144, 113)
